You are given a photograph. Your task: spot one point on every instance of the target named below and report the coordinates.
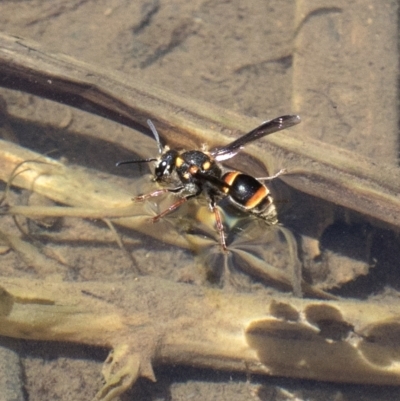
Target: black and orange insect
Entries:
(199, 171)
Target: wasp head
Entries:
(165, 165)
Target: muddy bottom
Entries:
(236, 56)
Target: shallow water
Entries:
(336, 66)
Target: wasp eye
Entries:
(166, 165)
(160, 168)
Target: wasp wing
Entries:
(266, 128)
(217, 182)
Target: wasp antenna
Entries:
(156, 136)
(135, 161)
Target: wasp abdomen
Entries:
(250, 195)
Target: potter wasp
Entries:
(198, 171)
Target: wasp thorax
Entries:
(193, 162)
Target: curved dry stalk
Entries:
(156, 322)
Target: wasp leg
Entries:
(220, 226)
(156, 193)
(173, 207)
(272, 177)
